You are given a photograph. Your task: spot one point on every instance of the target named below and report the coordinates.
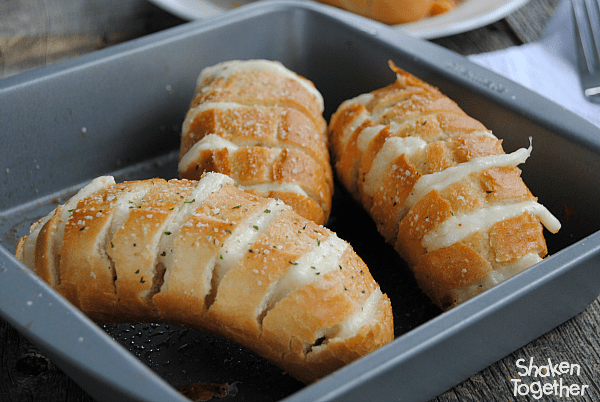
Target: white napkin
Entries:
(548, 66)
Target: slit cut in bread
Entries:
(440, 188)
(206, 255)
(262, 125)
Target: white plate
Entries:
(198, 9)
(470, 14)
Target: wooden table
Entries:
(36, 33)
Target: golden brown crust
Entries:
(207, 255)
(439, 187)
(516, 237)
(45, 260)
(449, 268)
(443, 6)
(82, 260)
(307, 207)
(259, 86)
(259, 169)
(274, 126)
(262, 125)
(320, 307)
(20, 249)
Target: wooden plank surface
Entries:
(36, 33)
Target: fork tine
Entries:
(593, 13)
(587, 31)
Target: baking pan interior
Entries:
(119, 111)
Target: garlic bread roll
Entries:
(262, 125)
(439, 187)
(206, 255)
(394, 12)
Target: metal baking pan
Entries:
(119, 110)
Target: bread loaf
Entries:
(394, 12)
(262, 125)
(206, 255)
(439, 187)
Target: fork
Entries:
(587, 37)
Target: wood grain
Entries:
(36, 33)
(529, 21)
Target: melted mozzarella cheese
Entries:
(209, 142)
(440, 180)
(485, 133)
(351, 127)
(357, 119)
(458, 227)
(209, 183)
(323, 258)
(360, 318)
(244, 235)
(238, 243)
(391, 149)
(281, 187)
(366, 136)
(362, 99)
(499, 275)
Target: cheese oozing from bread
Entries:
(439, 187)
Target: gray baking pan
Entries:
(119, 110)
